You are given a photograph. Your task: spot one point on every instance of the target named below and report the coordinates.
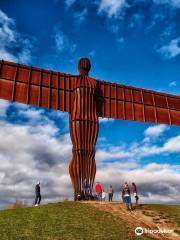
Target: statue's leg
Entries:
(75, 173)
(82, 165)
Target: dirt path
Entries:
(140, 217)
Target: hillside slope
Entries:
(151, 217)
(66, 221)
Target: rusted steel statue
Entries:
(83, 128)
(85, 99)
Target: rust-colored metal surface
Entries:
(137, 104)
(35, 86)
(83, 129)
(85, 99)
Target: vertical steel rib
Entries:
(116, 103)
(169, 113)
(58, 92)
(28, 86)
(50, 91)
(155, 111)
(14, 83)
(133, 111)
(40, 90)
(142, 98)
(124, 104)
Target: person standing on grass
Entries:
(37, 194)
(126, 196)
(98, 190)
(110, 192)
(85, 187)
(134, 191)
(103, 195)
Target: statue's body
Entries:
(85, 99)
(83, 129)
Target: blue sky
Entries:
(131, 42)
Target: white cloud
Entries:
(155, 131)
(3, 107)
(29, 154)
(78, 13)
(63, 43)
(69, 2)
(112, 7)
(112, 153)
(80, 16)
(173, 3)
(7, 56)
(32, 113)
(36, 154)
(13, 45)
(116, 8)
(105, 120)
(170, 50)
(172, 144)
(120, 40)
(30, 151)
(173, 84)
(160, 184)
(137, 151)
(34, 150)
(92, 54)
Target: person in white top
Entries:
(103, 196)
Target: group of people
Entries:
(126, 195)
(100, 193)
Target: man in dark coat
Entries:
(85, 188)
(37, 194)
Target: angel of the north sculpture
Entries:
(85, 99)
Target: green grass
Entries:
(169, 212)
(67, 221)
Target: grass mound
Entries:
(169, 214)
(66, 221)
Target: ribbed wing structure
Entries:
(130, 103)
(35, 86)
(51, 89)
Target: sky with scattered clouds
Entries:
(133, 42)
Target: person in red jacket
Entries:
(98, 190)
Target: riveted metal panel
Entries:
(140, 104)
(21, 92)
(6, 89)
(35, 86)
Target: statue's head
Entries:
(84, 66)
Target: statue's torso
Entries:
(84, 99)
